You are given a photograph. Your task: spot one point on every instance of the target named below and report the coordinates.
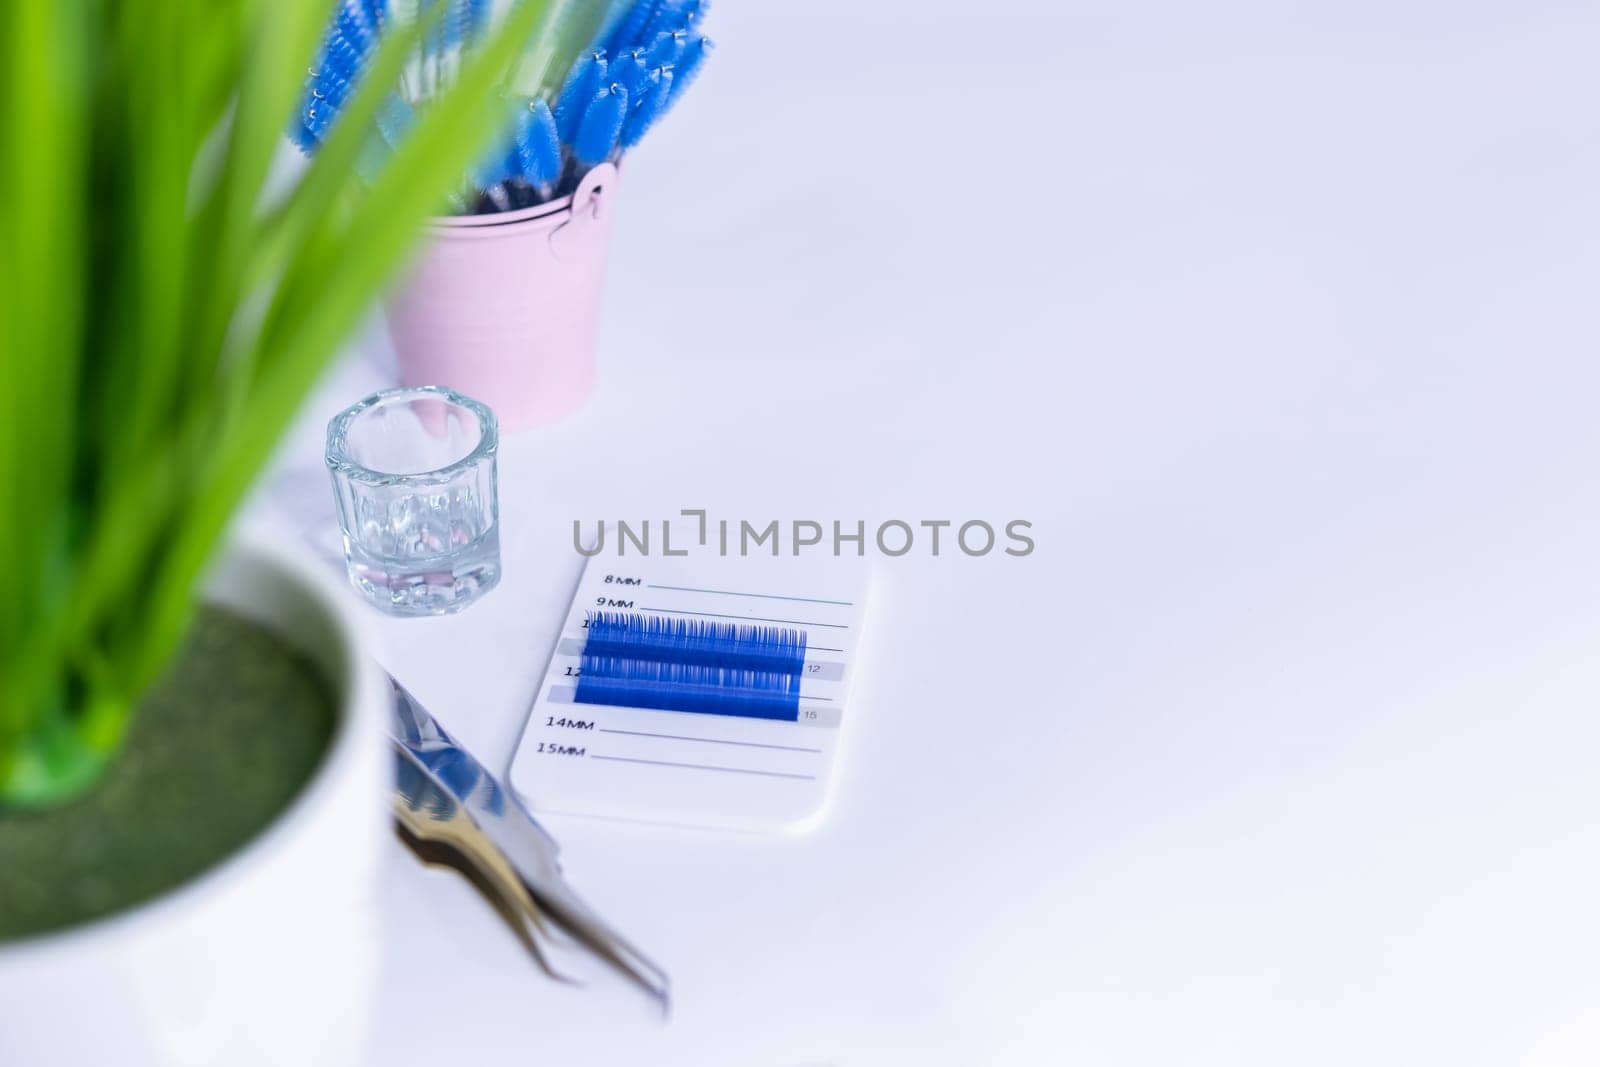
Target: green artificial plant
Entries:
(163, 313)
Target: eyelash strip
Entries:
(774, 649)
(691, 687)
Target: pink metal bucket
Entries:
(504, 308)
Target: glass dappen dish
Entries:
(414, 478)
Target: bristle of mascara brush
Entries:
(477, 17)
(519, 159)
(351, 36)
(327, 89)
(544, 148)
(394, 120)
(583, 81)
(628, 68)
(499, 163)
(669, 16)
(630, 31)
(655, 54)
(643, 115)
(689, 64)
(351, 23)
(667, 48)
(601, 126)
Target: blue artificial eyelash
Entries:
(640, 683)
(773, 649)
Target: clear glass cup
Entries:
(414, 476)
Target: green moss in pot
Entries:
(217, 748)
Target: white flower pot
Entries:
(268, 958)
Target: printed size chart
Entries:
(699, 692)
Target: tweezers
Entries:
(452, 811)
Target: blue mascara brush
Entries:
(371, 13)
(664, 92)
(628, 68)
(667, 49)
(688, 66)
(583, 81)
(601, 126)
(630, 30)
(353, 24)
(337, 69)
(539, 148)
(611, 98)
(495, 169)
(394, 119)
(523, 168)
(643, 115)
(667, 17)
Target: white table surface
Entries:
(1279, 323)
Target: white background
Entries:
(1279, 322)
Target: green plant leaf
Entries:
(164, 322)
